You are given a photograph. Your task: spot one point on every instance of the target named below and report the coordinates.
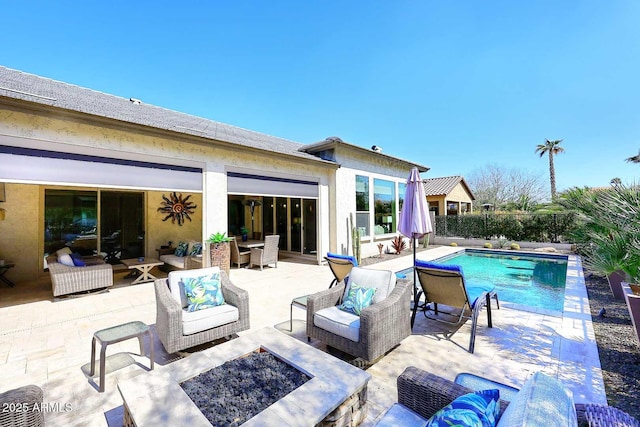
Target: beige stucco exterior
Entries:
(458, 196)
(355, 162)
(68, 133)
(34, 126)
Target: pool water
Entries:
(523, 279)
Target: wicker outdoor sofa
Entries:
(68, 280)
(425, 394)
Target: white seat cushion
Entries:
(338, 322)
(201, 320)
(172, 260)
(383, 280)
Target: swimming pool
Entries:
(527, 280)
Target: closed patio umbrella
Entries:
(414, 220)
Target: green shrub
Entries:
(454, 244)
(488, 245)
(515, 246)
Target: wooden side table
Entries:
(116, 334)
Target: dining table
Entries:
(250, 244)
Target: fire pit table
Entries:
(335, 395)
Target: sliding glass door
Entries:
(75, 219)
(70, 220)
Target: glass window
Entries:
(402, 189)
(70, 220)
(384, 199)
(362, 204)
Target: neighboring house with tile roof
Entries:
(98, 172)
(449, 195)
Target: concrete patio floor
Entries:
(48, 342)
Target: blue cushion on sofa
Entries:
(477, 409)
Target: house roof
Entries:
(332, 142)
(444, 185)
(30, 88)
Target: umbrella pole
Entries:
(415, 289)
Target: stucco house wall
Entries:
(67, 134)
(357, 162)
(39, 115)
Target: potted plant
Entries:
(220, 251)
(244, 232)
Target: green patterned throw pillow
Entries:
(358, 298)
(203, 292)
(181, 249)
(478, 409)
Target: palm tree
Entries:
(615, 181)
(634, 159)
(552, 148)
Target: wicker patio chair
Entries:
(19, 407)
(170, 309)
(266, 255)
(426, 393)
(445, 284)
(237, 256)
(382, 325)
(340, 266)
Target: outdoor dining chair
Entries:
(445, 284)
(340, 266)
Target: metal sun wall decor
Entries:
(176, 208)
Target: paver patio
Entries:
(49, 343)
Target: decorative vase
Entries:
(220, 254)
(632, 297)
(245, 237)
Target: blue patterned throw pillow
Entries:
(203, 292)
(181, 249)
(358, 298)
(478, 409)
(196, 249)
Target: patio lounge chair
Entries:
(340, 266)
(179, 328)
(266, 255)
(237, 256)
(376, 330)
(421, 394)
(445, 284)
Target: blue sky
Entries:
(453, 85)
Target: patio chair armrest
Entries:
(392, 312)
(168, 313)
(28, 399)
(235, 296)
(256, 251)
(324, 299)
(192, 262)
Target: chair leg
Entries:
(490, 323)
